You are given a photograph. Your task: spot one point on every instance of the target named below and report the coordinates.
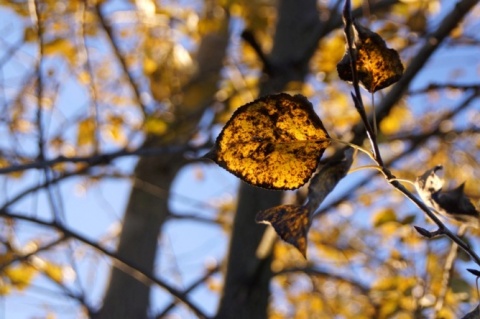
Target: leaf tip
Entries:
(423, 232)
(474, 272)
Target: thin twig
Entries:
(447, 273)
(194, 285)
(121, 263)
(123, 63)
(357, 98)
(88, 68)
(445, 86)
(100, 159)
(39, 114)
(356, 95)
(318, 272)
(39, 87)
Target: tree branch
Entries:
(447, 273)
(445, 86)
(432, 43)
(194, 285)
(99, 159)
(450, 21)
(119, 262)
(123, 63)
(318, 272)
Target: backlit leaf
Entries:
(274, 142)
(377, 66)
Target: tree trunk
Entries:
(246, 287)
(126, 297)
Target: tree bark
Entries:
(146, 212)
(246, 288)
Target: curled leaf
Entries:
(377, 66)
(452, 203)
(292, 222)
(274, 142)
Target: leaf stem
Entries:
(361, 168)
(354, 146)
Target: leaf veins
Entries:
(274, 142)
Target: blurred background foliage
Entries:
(84, 78)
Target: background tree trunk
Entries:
(246, 289)
(126, 297)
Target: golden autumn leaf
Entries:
(377, 66)
(274, 142)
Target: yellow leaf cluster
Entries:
(395, 120)
(20, 276)
(384, 216)
(394, 296)
(114, 129)
(86, 132)
(5, 163)
(155, 125)
(329, 52)
(62, 46)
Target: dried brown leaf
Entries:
(377, 66)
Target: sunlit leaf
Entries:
(292, 222)
(274, 142)
(20, 276)
(377, 66)
(86, 132)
